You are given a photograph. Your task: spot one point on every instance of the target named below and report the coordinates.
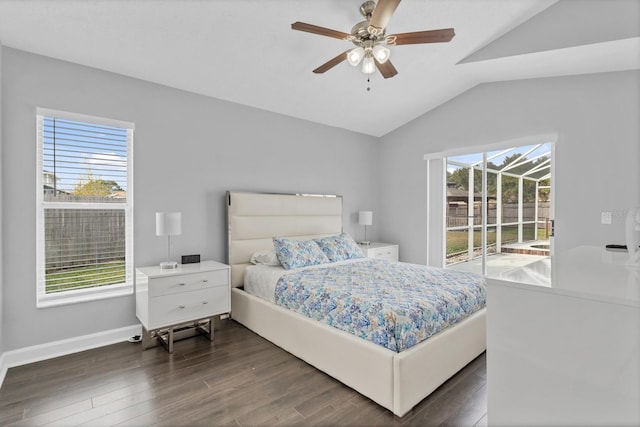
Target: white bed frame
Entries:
(396, 381)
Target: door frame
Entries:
(437, 199)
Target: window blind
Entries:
(85, 217)
(84, 162)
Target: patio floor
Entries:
(496, 263)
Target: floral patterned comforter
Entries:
(395, 305)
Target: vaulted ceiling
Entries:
(244, 51)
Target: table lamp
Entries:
(365, 218)
(168, 224)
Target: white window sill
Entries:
(84, 295)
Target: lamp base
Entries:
(169, 265)
(365, 242)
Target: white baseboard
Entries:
(3, 369)
(36, 353)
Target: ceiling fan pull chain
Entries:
(368, 85)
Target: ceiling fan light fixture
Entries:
(369, 37)
(368, 66)
(355, 56)
(381, 53)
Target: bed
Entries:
(394, 380)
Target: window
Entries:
(85, 209)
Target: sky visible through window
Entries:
(76, 152)
(474, 158)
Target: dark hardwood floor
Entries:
(239, 379)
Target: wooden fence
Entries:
(79, 237)
(457, 215)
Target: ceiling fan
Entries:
(371, 40)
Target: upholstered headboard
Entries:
(253, 219)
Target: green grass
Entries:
(107, 273)
(457, 241)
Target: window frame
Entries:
(87, 294)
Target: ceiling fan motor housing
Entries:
(360, 33)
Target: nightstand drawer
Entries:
(386, 252)
(187, 282)
(171, 309)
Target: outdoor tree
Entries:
(460, 178)
(91, 186)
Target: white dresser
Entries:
(563, 342)
(168, 299)
(388, 251)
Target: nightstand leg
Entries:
(211, 328)
(204, 329)
(146, 338)
(170, 341)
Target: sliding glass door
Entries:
(497, 203)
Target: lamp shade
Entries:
(355, 56)
(365, 218)
(381, 53)
(168, 223)
(368, 66)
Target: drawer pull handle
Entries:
(205, 280)
(181, 306)
(181, 284)
(205, 302)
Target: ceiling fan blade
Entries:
(383, 12)
(331, 63)
(386, 69)
(430, 36)
(314, 29)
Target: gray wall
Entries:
(596, 118)
(188, 150)
(1, 222)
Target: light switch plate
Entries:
(606, 218)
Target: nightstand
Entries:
(177, 303)
(388, 251)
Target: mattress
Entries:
(260, 280)
(395, 305)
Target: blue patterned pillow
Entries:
(298, 253)
(340, 247)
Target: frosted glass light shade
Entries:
(365, 218)
(368, 67)
(355, 56)
(168, 223)
(381, 53)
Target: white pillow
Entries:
(266, 257)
